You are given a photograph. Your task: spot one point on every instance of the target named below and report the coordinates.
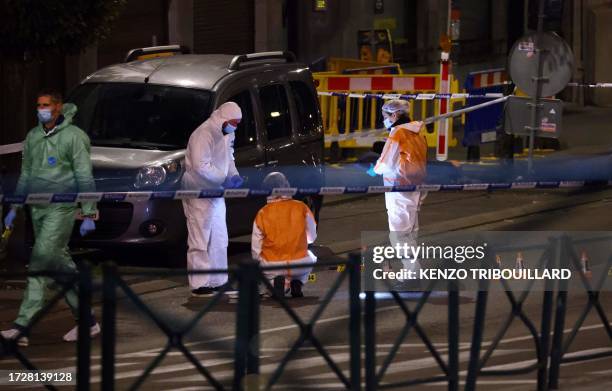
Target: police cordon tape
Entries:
(382, 133)
(136, 196)
(434, 96)
(596, 85)
(412, 96)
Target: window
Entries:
(306, 104)
(143, 116)
(320, 5)
(276, 111)
(246, 133)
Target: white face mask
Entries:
(388, 122)
(45, 116)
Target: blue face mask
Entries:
(44, 116)
(229, 128)
(388, 123)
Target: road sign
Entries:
(557, 63)
(517, 117)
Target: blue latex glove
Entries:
(370, 171)
(232, 182)
(236, 181)
(10, 217)
(227, 183)
(87, 226)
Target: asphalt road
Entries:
(211, 341)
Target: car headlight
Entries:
(167, 173)
(150, 177)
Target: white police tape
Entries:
(430, 96)
(412, 96)
(134, 197)
(596, 85)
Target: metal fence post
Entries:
(246, 350)
(477, 335)
(453, 336)
(355, 320)
(547, 304)
(84, 339)
(109, 312)
(241, 328)
(253, 351)
(556, 352)
(369, 325)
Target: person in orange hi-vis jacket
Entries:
(402, 162)
(282, 231)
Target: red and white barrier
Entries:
(442, 142)
(490, 78)
(381, 83)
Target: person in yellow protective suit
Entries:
(403, 161)
(56, 159)
(282, 231)
(209, 163)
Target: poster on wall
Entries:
(375, 45)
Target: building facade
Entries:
(482, 31)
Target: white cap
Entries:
(275, 180)
(396, 105)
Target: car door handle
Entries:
(273, 162)
(260, 165)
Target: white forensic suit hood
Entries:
(209, 157)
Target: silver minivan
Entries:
(139, 115)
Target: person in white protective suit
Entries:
(209, 164)
(403, 161)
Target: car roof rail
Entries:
(155, 52)
(259, 58)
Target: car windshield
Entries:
(141, 116)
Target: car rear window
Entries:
(276, 111)
(306, 104)
(142, 116)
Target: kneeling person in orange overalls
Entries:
(282, 231)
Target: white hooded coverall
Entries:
(403, 162)
(209, 160)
